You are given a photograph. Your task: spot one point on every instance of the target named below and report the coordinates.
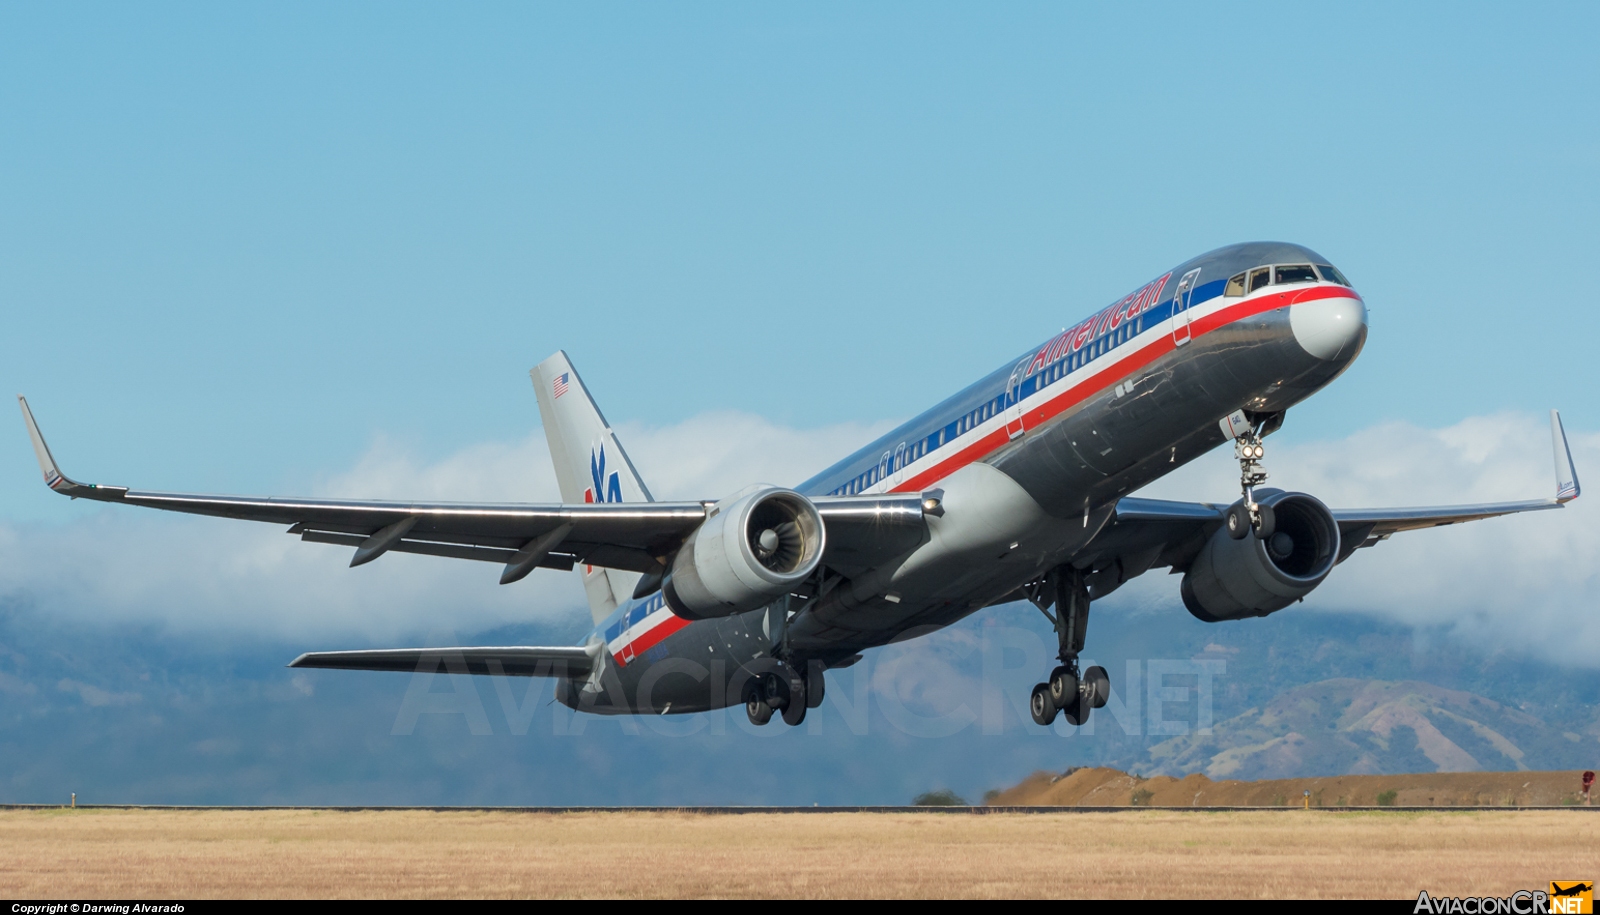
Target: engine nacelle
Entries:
(1233, 579)
(753, 548)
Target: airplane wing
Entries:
(503, 661)
(636, 536)
(1150, 533)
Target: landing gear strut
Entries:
(1068, 691)
(1249, 515)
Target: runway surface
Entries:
(61, 853)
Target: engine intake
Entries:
(752, 549)
(1233, 579)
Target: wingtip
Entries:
(53, 477)
(1567, 487)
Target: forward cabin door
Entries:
(1013, 399)
(1181, 300)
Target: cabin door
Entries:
(1181, 300)
(1013, 399)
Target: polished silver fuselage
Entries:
(1029, 464)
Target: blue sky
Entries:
(300, 248)
(237, 243)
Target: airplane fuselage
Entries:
(1029, 463)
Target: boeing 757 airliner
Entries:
(1016, 488)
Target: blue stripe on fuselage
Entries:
(937, 429)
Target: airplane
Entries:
(1016, 488)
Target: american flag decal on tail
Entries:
(559, 386)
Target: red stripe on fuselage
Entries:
(1108, 376)
(654, 637)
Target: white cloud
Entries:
(1525, 583)
(95, 696)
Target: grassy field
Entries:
(86, 853)
(1112, 788)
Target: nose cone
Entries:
(1329, 329)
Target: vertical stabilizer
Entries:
(590, 466)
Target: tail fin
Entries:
(590, 465)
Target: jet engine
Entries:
(754, 547)
(1254, 576)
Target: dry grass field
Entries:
(88, 853)
(1096, 787)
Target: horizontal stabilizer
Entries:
(504, 661)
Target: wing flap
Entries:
(867, 531)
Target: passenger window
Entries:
(1259, 277)
(1235, 286)
(1332, 275)
(1294, 273)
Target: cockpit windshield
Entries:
(1293, 273)
(1249, 281)
(1332, 275)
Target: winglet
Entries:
(1567, 487)
(53, 477)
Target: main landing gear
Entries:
(1068, 691)
(784, 691)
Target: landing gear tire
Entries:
(1238, 521)
(755, 704)
(1269, 522)
(1096, 687)
(1041, 705)
(772, 691)
(1076, 712)
(1063, 684)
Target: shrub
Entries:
(1141, 797)
(1386, 798)
(944, 797)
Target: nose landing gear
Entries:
(1248, 515)
(1068, 691)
